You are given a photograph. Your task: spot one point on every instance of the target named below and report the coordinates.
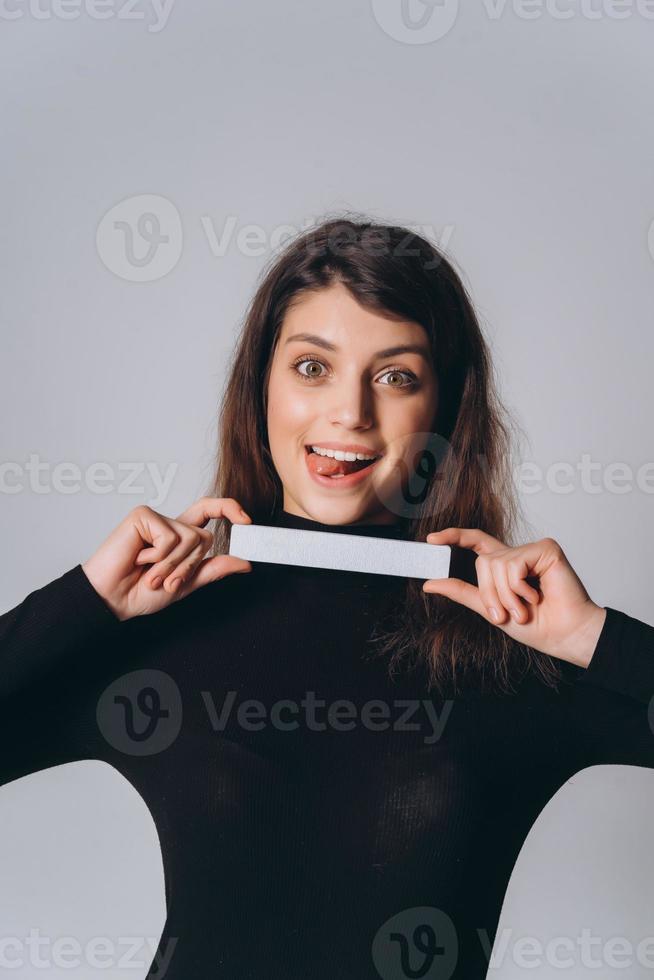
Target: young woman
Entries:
(342, 767)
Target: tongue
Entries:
(326, 466)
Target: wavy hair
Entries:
(396, 272)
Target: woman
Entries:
(342, 767)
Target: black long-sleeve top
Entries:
(316, 818)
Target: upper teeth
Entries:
(337, 454)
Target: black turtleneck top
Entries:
(316, 819)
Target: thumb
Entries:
(458, 590)
(212, 569)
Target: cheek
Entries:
(409, 430)
(290, 410)
(408, 421)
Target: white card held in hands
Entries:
(350, 552)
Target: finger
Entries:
(149, 556)
(208, 508)
(541, 555)
(197, 515)
(495, 610)
(466, 537)
(146, 557)
(458, 590)
(214, 568)
(517, 569)
(189, 539)
(185, 567)
(508, 597)
(149, 527)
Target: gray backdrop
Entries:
(154, 155)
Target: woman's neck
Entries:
(283, 518)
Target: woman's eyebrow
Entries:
(312, 338)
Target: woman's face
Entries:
(344, 387)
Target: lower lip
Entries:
(351, 480)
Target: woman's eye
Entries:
(314, 371)
(400, 374)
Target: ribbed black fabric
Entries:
(323, 829)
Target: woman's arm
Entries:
(623, 659)
(609, 702)
(132, 574)
(62, 645)
(51, 647)
(50, 626)
(606, 654)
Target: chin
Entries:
(339, 511)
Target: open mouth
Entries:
(336, 469)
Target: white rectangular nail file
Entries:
(348, 552)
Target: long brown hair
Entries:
(397, 273)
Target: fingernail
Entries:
(155, 583)
(494, 613)
(175, 584)
(515, 614)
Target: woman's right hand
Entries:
(150, 561)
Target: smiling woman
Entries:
(342, 769)
(373, 379)
(361, 338)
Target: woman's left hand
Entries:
(559, 619)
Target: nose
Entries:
(351, 405)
